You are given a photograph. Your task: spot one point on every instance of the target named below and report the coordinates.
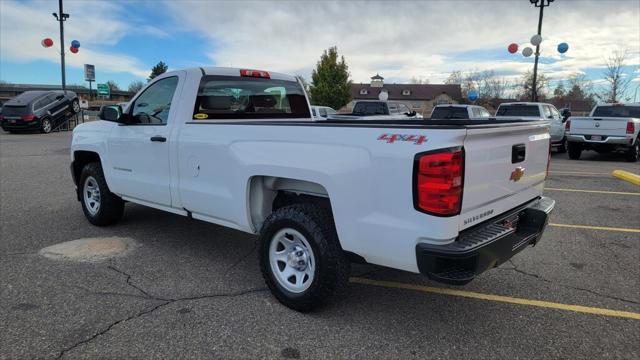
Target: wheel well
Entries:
(82, 158)
(269, 193)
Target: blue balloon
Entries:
(472, 95)
(563, 47)
(75, 44)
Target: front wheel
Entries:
(100, 206)
(574, 151)
(633, 153)
(75, 106)
(300, 256)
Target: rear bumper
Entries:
(20, 125)
(616, 140)
(486, 245)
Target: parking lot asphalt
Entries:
(193, 290)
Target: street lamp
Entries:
(62, 17)
(539, 4)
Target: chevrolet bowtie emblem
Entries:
(517, 174)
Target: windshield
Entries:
(519, 110)
(9, 110)
(617, 111)
(451, 112)
(232, 97)
(370, 108)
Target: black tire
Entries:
(111, 206)
(562, 148)
(75, 106)
(574, 151)
(332, 268)
(46, 126)
(633, 153)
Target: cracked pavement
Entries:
(194, 290)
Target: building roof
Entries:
(377, 77)
(416, 91)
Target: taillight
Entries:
(631, 128)
(29, 117)
(1, 117)
(567, 125)
(438, 181)
(255, 73)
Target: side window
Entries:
(393, 108)
(152, 107)
(555, 113)
(484, 113)
(323, 112)
(313, 111)
(547, 111)
(404, 109)
(475, 113)
(41, 103)
(331, 111)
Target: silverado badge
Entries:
(517, 174)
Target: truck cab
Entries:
(539, 111)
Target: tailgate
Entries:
(598, 126)
(504, 168)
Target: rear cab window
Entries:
(518, 110)
(370, 108)
(232, 97)
(617, 111)
(450, 112)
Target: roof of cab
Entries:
(524, 103)
(229, 71)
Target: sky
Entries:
(400, 40)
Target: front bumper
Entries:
(615, 140)
(486, 245)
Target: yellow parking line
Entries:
(589, 227)
(595, 191)
(627, 176)
(498, 298)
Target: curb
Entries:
(627, 176)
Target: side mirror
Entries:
(410, 113)
(111, 113)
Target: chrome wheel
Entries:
(46, 126)
(91, 195)
(75, 106)
(292, 260)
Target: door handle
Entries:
(158, 138)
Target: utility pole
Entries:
(61, 18)
(541, 4)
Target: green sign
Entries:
(103, 89)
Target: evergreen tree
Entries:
(330, 81)
(159, 69)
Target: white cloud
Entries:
(23, 25)
(409, 39)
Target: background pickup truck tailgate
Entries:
(505, 167)
(598, 126)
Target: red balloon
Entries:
(47, 42)
(73, 50)
(513, 48)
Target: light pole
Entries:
(62, 17)
(539, 4)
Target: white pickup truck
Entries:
(609, 127)
(239, 148)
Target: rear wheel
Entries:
(562, 148)
(100, 206)
(46, 126)
(633, 153)
(300, 256)
(574, 151)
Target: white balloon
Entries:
(526, 52)
(536, 40)
(383, 96)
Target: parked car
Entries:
(459, 111)
(449, 199)
(609, 128)
(536, 111)
(378, 110)
(321, 112)
(38, 110)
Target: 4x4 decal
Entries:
(391, 138)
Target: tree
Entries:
(525, 86)
(304, 82)
(159, 69)
(330, 81)
(113, 85)
(616, 75)
(486, 83)
(419, 80)
(136, 86)
(559, 91)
